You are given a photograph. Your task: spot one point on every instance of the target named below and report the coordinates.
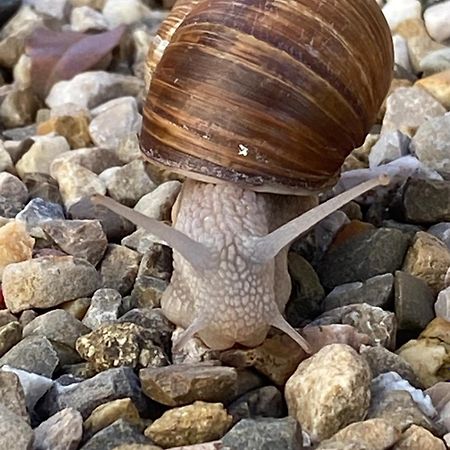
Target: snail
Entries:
(257, 103)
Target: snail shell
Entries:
(272, 94)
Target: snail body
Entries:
(249, 100)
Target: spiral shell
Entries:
(273, 94)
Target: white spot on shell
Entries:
(243, 150)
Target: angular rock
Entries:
(15, 433)
(147, 291)
(77, 308)
(13, 188)
(19, 107)
(442, 305)
(364, 256)
(42, 186)
(12, 395)
(47, 282)
(428, 259)
(418, 438)
(438, 86)
(329, 391)
(436, 61)
(414, 302)
(85, 18)
(10, 335)
(442, 232)
(62, 431)
(390, 146)
(105, 308)
(376, 291)
(34, 354)
(193, 424)
(80, 238)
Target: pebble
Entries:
(193, 424)
(274, 434)
(442, 305)
(54, 8)
(106, 414)
(407, 108)
(119, 268)
(119, 433)
(16, 245)
(364, 256)
(41, 154)
(431, 144)
(397, 11)
(80, 238)
(19, 107)
(437, 18)
(119, 12)
(376, 291)
(37, 213)
(6, 163)
(12, 188)
(148, 291)
(373, 434)
(390, 146)
(10, 335)
(86, 395)
(436, 61)
(105, 308)
(85, 18)
(129, 183)
(418, 438)
(329, 390)
(123, 112)
(77, 308)
(401, 53)
(120, 344)
(43, 282)
(62, 431)
(12, 394)
(34, 354)
(438, 86)
(376, 323)
(15, 432)
(428, 259)
(90, 89)
(414, 302)
(42, 186)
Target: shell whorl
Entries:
(268, 93)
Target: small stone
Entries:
(6, 317)
(86, 395)
(106, 414)
(442, 305)
(80, 238)
(34, 354)
(119, 433)
(414, 302)
(44, 282)
(428, 259)
(10, 335)
(37, 213)
(407, 108)
(119, 12)
(129, 183)
(376, 323)
(119, 268)
(435, 62)
(41, 154)
(119, 344)
(401, 53)
(273, 434)
(12, 188)
(16, 245)
(90, 89)
(74, 128)
(15, 433)
(27, 316)
(77, 308)
(76, 182)
(364, 256)
(397, 11)
(158, 203)
(438, 86)
(373, 434)
(42, 186)
(442, 232)
(6, 163)
(437, 18)
(85, 18)
(105, 308)
(193, 424)
(54, 8)
(183, 384)
(418, 438)
(123, 114)
(329, 391)
(12, 394)
(19, 108)
(62, 431)
(376, 291)
(148, 291)
(389, 147)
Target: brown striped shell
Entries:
(273, 94)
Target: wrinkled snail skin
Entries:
(252, 99)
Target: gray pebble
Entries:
(105, 308)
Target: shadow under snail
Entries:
(257, 103)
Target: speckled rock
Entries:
(364, 256)
(42, 186)
(10, 335)
(442, 305)
(120, 344)
(119, 268)
(79, 238)
(15, 433)
(62, 431)
(438, 86)
(193, 424)
(418, 438)
(43, 282)
(13, 188)
(19, 107)
(426, 201)
(77, 308)
(16, 245)
(390, 146)
(428, 259)
(329, 391)
(105, 308)
(373, 434)
(376, 323)
(12, 394)
(376, 291)
(34, 354)
(106, 414)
